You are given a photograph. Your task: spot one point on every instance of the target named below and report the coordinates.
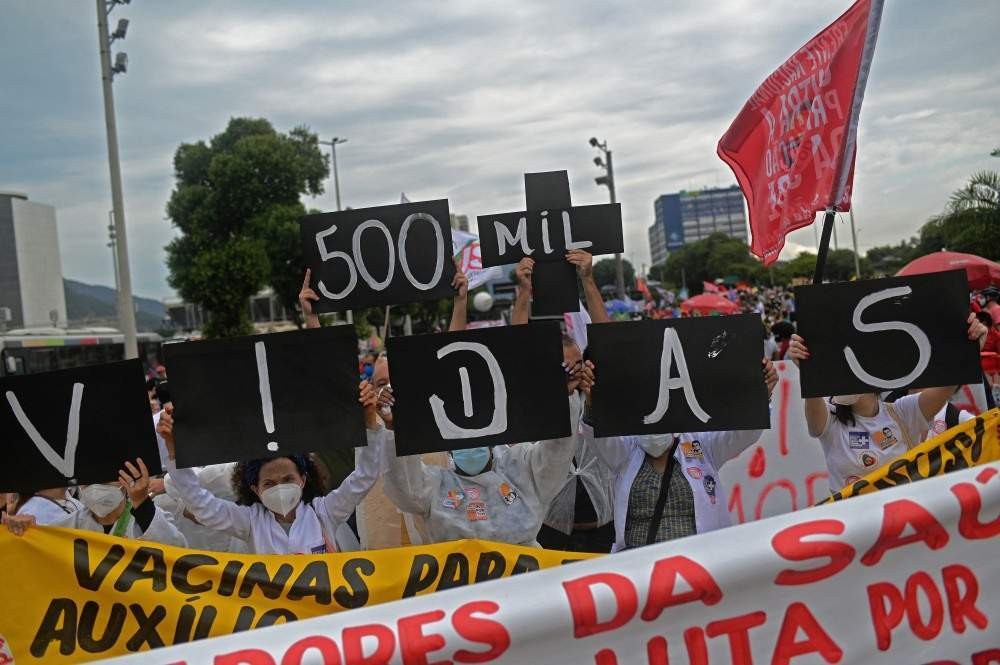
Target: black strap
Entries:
(950, 415)
(661, 500)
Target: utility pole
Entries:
(854, 239)
(609, 180)
(126, 310)
(113, 245)
(333, 155)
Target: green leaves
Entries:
(236, 205)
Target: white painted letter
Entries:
(504, 238)
(359, 256)
(919, 338)
(546, 246)
(568, 235)
(671, 349)
(264, 385)
(498, 424)
(65, 463)
(438, 267)
(325, 255)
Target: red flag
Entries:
(792, 147)
(709, 287)
(643, 288)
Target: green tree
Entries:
(236, 206)
(970, 222)
(710, 258)
(604, 273)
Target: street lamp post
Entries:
(113, 245)
(333, 154)
(126, 310)
(608, 179)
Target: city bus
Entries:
(31, 351)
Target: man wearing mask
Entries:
(121, 508)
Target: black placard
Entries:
(937, 304)
(114, 424)
(357, 266)
(599, 225)
(427, 369)
(722, 356)
(220, 388)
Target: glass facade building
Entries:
(693, 215)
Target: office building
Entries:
(31, 280)
(688, 216)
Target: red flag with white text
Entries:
(793, 145)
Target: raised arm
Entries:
(817, 413)
(460, 308)
(933, 400)
(210, 511)
(306, 298)
(522, 300)
(584, 263)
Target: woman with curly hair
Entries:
(281, 508)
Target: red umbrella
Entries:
(982, 272)
(710, 303)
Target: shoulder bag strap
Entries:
(661, 500)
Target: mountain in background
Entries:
(93, 303)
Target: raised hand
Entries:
(460, 282)
(585, 375)
(386, 401)
(770, 376)
(165, 428)
(797, 350)
(523, 272)
(584, 262)
(368, 400)
(134, 479)
(18, 524)
(977, 330)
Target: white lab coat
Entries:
(316, 523)
(161, 529)
(216, 479)
(506, 504)
(624, 456)
(48, 511)
(599, 482)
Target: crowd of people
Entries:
(578, 493)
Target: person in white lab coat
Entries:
(282, 511)
(48, 506)
(121, 508)
(217, 479)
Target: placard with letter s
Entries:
(885, 334)
(701, 374)
(384, 255)
(478, 388)
(75, 426)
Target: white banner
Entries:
(785, 470)
(906, 575)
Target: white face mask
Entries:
(656, 444)
(281, 499)
(845, 400)
(101, 499)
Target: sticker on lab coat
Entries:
(508, 494)
(472, 493)
(476, 511)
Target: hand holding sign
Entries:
(134, 479)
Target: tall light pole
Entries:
(113, 245)
(608, 179)
(333, 154)
(126, 310)
(854, 239)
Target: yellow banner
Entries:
(969, 444)
(69, 596)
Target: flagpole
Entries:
(824, 246)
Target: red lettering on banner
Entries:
(786, 391)
(988, 657)
(354, 650)
(244, 657)
(481, 631)
(605, 657)
(798, 617)
(737, 629)
(694, 640)
(736, 498)
(930, 629)
(789, 543)
(326, 647)
(656, 651)
(758, 463)
(414, 644)
(810, 482)
(784, 482)
(885, 618)
(584, 608)
(969, 523)
(962, 606)
(896, 516)
(663, 579)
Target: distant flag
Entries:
(403, 199)
(709, 287)
(792, 147)
(465, 247)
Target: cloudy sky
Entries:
(459, 99)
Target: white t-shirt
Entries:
(940, 424)
(854, 451)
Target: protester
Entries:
(990, 297)
(861, 433)
(119, 508)
(580, 516)
(217, 479)
(281, 508)
(694, 500)
(48, 506)
(949, 416)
